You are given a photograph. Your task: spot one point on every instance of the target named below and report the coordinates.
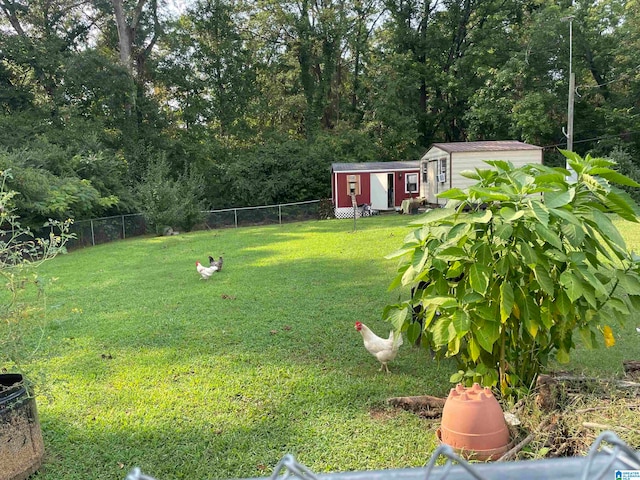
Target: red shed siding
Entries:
(343, 199)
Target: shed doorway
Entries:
(379, 191)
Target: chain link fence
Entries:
(107, 229)
(602, 463)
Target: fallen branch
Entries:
(601, 426)
(579, 379)
(546, 424)
(631, 366)
(593, 409)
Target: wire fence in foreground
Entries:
(602, 463)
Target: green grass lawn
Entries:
(148, 365)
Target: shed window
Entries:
(353, 184)
(411, 183)
(442, 170)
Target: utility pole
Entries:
(572, 88)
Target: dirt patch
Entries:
(382, 414)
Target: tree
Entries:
(512, 267)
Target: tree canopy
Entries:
(259, 98)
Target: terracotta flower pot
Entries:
(473, 423)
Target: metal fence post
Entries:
(124, 233)
(280, 214)
(93, 237)
(235, 214)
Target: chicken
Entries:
(383, 349)
(205, 272)
(215, 263)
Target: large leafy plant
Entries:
(511, 268)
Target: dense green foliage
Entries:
(259, 98)
(513, 267)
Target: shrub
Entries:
(169, 203)
(511, 268)
(20, 255)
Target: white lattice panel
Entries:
(347, 212)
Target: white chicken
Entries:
(383, 349)
(205, 272)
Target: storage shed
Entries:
(443, 162)
(382, 185)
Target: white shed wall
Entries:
(461, 161)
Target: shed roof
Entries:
(487, 146)
(375, 166)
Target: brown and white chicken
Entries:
(216, 263)
(384, 349)
(205, 272)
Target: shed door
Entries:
(432, 179)
(379, 191)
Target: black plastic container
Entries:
(21, 446)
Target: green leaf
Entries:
(396, 315)
(545, 314)
(562, 356)
(413, 332)
(544, 280)
(443, 331)
(502, 266)
(574, 233)
(589, 338)
(572, 285)
(409, 275)
(461, 322)
(488, 195)
(563, 304)
(400, 252)
(558, 198)
(506, 301)
(451, 254)
(474, 349)
(540, 212)
(556, 255)
(565, 215)
(504, 231)
(614, 177)
(436, 215)
(528, 254)
(487, 334)
(453, 194)
(548, 236)
(608, 229)
(622, 204)
(509, 214)
(483, 254)
(479, 278)
(481, 217)
(618, 305)
(629, 281)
